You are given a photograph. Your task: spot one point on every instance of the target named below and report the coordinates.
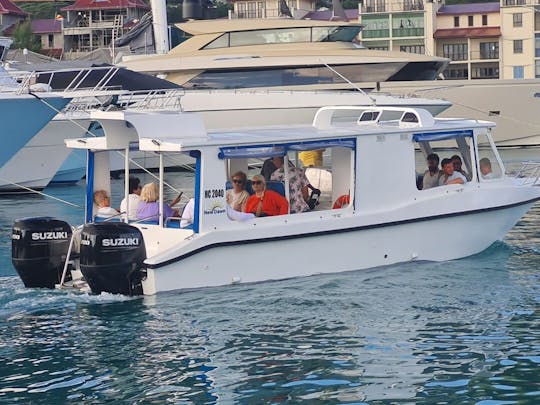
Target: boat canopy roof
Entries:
(220, 26)
(162, 131)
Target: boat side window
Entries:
(488, 164)
(317, 177)
(431, 155)
(285, 35)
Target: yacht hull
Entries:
(512, 104)
(35, 164)
(338, 250)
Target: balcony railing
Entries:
(485, 54)
(375, 34)
(455, 56)
(383, 7)
(408, 32)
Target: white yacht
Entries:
(280, 54)
(383, 217)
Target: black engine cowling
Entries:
(39, 247)
(111, 257)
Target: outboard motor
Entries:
(111, 258)
(39, 248)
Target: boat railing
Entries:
(77, 80)
(528, 173)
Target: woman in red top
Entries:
(265, 202)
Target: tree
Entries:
(23, 37)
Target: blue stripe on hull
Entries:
(22, 119)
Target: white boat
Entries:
(283, 54)
(372, 161)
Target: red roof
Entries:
(7, 7)
(81, 5)
(468, 32)
(38, 27)
(46, 26)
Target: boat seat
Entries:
(277, 186)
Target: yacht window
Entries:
(220, 42)
(245, 78)
(285, 35)
(488, 164)
(435, 148)
(327, 166)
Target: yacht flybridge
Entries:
(369, 164)
(281, 54)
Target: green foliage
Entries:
(43, 10)
(23, 38)
(223, 9)
(350, 4)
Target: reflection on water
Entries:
(464, 331)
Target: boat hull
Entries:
(35, 164)
(340, 250)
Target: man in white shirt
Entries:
(485, 169)
(449, 175)
(134, 198)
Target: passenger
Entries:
(432, 175)
(134, 198)
(265, 202)
(148, 208)
(485, 169)
(188, 214)
(450, 176)
(234, 215)
(456, 161)
(238, 196)
(103, 202)
(342, 201)
(268, 168)
(298, 186)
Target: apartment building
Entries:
(482, 40)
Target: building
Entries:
(94, 24)
(271, 8)
(10, 15)
(469, 35)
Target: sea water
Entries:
(460, 332)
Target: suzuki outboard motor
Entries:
(39, 247)
(111, 258)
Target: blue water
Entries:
(460, 332)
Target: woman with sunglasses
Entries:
(238, 196)
(265, 202)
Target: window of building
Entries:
(489, 50)
(456, 21)
(455, 51)
(456, 72)
(519, 72)
(517, 19)
(251, 9)
(484, 19)
(518, 46)
(537, 45)
(488, 72)
(51, 41)
(471, 20)
(420, 49)
(537, 68)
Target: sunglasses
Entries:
(256, 182)
(237, 181)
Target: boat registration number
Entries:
(216, 193)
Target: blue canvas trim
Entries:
(197, 156)
(441, 136)
(89, 186)
(266, 151)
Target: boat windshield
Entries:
(285, 35)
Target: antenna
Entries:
(348, 81)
